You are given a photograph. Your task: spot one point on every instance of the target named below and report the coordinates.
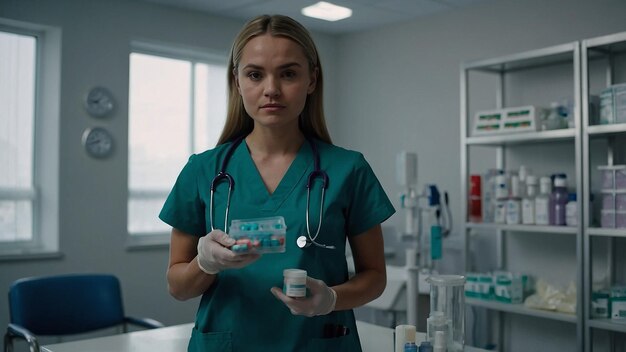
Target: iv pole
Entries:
(406, 167)
(406, 172)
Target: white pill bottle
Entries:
(294, 282)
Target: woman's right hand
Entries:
(214, 255)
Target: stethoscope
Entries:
(302, 241)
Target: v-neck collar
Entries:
(295, 173)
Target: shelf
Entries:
(614, 43)
(608, 324)
(530, 59)
(603, 130)
(597, 231)
(518, 138)
(567, 230)
(521, 309)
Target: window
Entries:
(18, 198)
(29, 141)
(177, 106)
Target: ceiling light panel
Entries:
(327, 11)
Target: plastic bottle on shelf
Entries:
(502, 196)
(475, 202)
(528, 202)
(554, 120)
(566, 110)
(571, 211)
(542, 202)
(560, 198)
(513, 204)
(523, 174)
(489, 195)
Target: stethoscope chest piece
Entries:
(303, 242)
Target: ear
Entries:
(236, 80)
(313, 82)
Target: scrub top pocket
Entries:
(210, 341)
(348, 343)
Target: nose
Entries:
(272, 87)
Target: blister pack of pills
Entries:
(262, 235)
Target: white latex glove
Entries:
(321, 301)
(214, 256)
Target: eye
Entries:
(254, 75)
(290, 74)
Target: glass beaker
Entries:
(446, 322)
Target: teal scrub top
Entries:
(238, 312)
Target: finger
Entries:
(278, 293)
(234, 262)
(294, 305)
(240, 263)
(222, 238)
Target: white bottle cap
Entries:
(294, 273)
(523, 173)
(560, 182)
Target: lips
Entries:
(272, 106)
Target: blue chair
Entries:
(66, 305)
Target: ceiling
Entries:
(366, 14)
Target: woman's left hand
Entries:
(320, 301)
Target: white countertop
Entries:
(374, 338)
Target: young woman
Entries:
(274, 139)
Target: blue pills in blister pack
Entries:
(262, 235)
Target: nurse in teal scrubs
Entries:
(275, 105)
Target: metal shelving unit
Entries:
(521, 309)
(607, 324)
(556, 56)
(603, 51)
(566, 230)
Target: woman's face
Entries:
(274, 80)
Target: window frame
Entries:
(138, 240)
(44, 191)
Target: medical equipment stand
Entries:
(417, 259)
(406, 172)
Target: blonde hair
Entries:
(311, 121)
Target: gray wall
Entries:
(389, 89)
(399, 89)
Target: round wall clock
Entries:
(99, 102)
(98, 142)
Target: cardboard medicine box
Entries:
(508, 120)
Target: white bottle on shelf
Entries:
(523, 175)
(528, 202)
(542, 202)
(513, 204)
(571, 211)
(502, 196)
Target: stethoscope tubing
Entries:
(302, 241)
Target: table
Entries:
(374, 338)
(168, 339)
